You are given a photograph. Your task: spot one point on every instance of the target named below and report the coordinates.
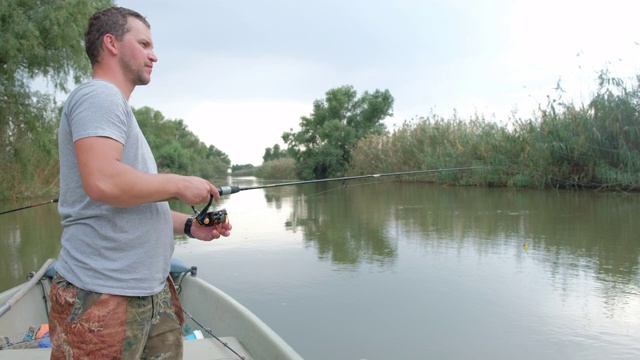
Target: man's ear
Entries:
(110, 44)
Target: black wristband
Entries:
(187, 227)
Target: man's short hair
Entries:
(112, 21)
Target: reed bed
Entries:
(278, 169)
(595, 146)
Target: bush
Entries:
(279, 169)
(562, 146)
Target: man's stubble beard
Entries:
(136, 75)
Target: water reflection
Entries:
(569, 234)
(27, 238)
(343, 226)
(445, 263)
(363, 222)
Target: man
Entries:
(112, 297)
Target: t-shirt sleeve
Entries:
(99, 110)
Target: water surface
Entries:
(391, 270)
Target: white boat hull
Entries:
(234, 324)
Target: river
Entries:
(402, 270)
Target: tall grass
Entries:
(278, 169)
(595, 146)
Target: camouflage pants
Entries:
(89, 325)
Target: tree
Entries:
(239, 167)
(177, 149)
(322, 147)
(43, 38)
(39, 39)
(274, 153)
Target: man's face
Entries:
(136, 53)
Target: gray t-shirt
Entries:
(106, 249)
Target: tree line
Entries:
(42, 41)
(594, 145)
(591, 146)
(562, 145)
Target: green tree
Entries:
(43, 40)
(274, 153)
(177, 149)
(239, 167)
(322, 148)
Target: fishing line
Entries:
(210, 333)
(178, 285)
(350, 185)
(327, 191)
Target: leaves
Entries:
(322, 148)
(45, 38)
(177, 150)
(39, 40)
(274, 153)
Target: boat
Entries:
(234, 333)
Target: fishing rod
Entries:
(30, 206)
(208, 218)
(227, 190)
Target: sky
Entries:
(241, 73)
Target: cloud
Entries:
(244, 129)
(233, 67)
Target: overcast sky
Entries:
(240, 73)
